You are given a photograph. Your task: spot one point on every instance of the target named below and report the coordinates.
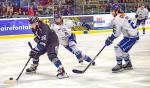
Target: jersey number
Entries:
(132, 24)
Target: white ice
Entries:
(14, 54)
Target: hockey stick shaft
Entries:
(82, 71)
(94, 58)
(25, 64)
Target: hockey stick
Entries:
(11, 80)
(82, 71)
(25, 64)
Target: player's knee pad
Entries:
(52, 56)
(118, 51)
(121, 54)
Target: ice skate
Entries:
(62, 74)
(117, 68)
(128, 66)
(32, 69)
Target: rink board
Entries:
(76, 32)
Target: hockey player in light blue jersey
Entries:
(122, 24)
(62, 27)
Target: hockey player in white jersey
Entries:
(62, 27)
(142, 16)
(122, 24)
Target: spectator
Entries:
(69, 2)
(31, 11)
(20, 12)
(40, 9)
(9, 11)
(128, 9)
(65, 7)
(108, 7)
(65, 11)
(47, 12)
(16, 15)
(1, 9)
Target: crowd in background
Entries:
(23, 8)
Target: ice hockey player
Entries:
(47, 42)
(122, 24)
(62, 27)
(142, 16)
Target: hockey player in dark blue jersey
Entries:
(47, 42)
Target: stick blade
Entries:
(10, 82)
(77, 71)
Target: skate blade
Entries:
(31, 72)
(118, 71)
(128, 68)
(62, 77)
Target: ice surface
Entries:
(14, 54)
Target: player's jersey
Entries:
(142, 14)
(45, 36)
(124, 25)
(63, 31)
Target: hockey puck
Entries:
(10, 78)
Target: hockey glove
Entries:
(36, 39)
(136, 16)
(86, 26)
(34, 53)
(109, 40)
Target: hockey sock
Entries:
(57, 62)
(87, 58)
(78, 55)
(35, 61)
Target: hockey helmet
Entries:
(33, 19)
(116, 7)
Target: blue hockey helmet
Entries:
(33, 19)
(116, 7)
